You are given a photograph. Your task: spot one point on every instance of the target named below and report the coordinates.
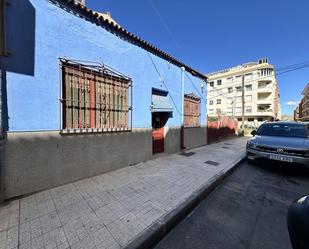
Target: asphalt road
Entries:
(248, 210)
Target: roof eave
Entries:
(133, 38)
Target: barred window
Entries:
(94, 98)
(192, 110)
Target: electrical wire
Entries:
(198, 92)
(170, 33)
(162, 80)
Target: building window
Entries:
(2, 28)
(229, 110)
(248, 76)
(248, 87)
(211, 83)
(260, 119)
(219, 82)
(218, 101)
(265, 72)
(239, 119)
(94, 98)
(211, 102)
(218, 111)
(230, 90)
(238, 89)
(250, 119)
(229, 80)
(192, 111)
(238, 77)
(248, 109)
(211, 111)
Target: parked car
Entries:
(280, 141)
(298, 223)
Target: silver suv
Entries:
(280, 141)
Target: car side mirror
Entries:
(253, 133)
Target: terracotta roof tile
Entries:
(140, 42)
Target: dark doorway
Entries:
(158, 121)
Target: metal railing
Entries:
(94, 100)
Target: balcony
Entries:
(265, 109)
(265, 98)
(265, 101)
(265, 88)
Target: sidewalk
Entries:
(116, 209)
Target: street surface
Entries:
(248, 210)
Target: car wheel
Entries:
(250, 161)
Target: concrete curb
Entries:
(159, 229)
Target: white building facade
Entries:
(261, 93)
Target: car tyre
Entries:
(250, 161)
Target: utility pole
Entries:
(243, 102)
(233, 108)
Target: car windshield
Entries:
(283, 130)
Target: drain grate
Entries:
(225, 147)
(213, 163)
(187, 153)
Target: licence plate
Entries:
(281, 158)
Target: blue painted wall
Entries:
(33, 87)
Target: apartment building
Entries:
(304, 104)
(298, 112)
(261, 93)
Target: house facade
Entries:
(261, 93)
(83, 96)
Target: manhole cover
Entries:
(187, 153)
(224, 147)
(213, 163)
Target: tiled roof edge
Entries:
(130, 36)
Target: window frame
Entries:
(246, 87)
(94, 70)
(246, 109)
(192, 111)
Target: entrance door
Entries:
(158, 121)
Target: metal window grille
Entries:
(192, 111)
(95, 98)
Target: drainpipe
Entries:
(182, 142)
(206, 108)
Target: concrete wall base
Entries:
(35, 161)
(195, 137)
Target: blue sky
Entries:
(212, 35)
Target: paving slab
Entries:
(119, 208)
